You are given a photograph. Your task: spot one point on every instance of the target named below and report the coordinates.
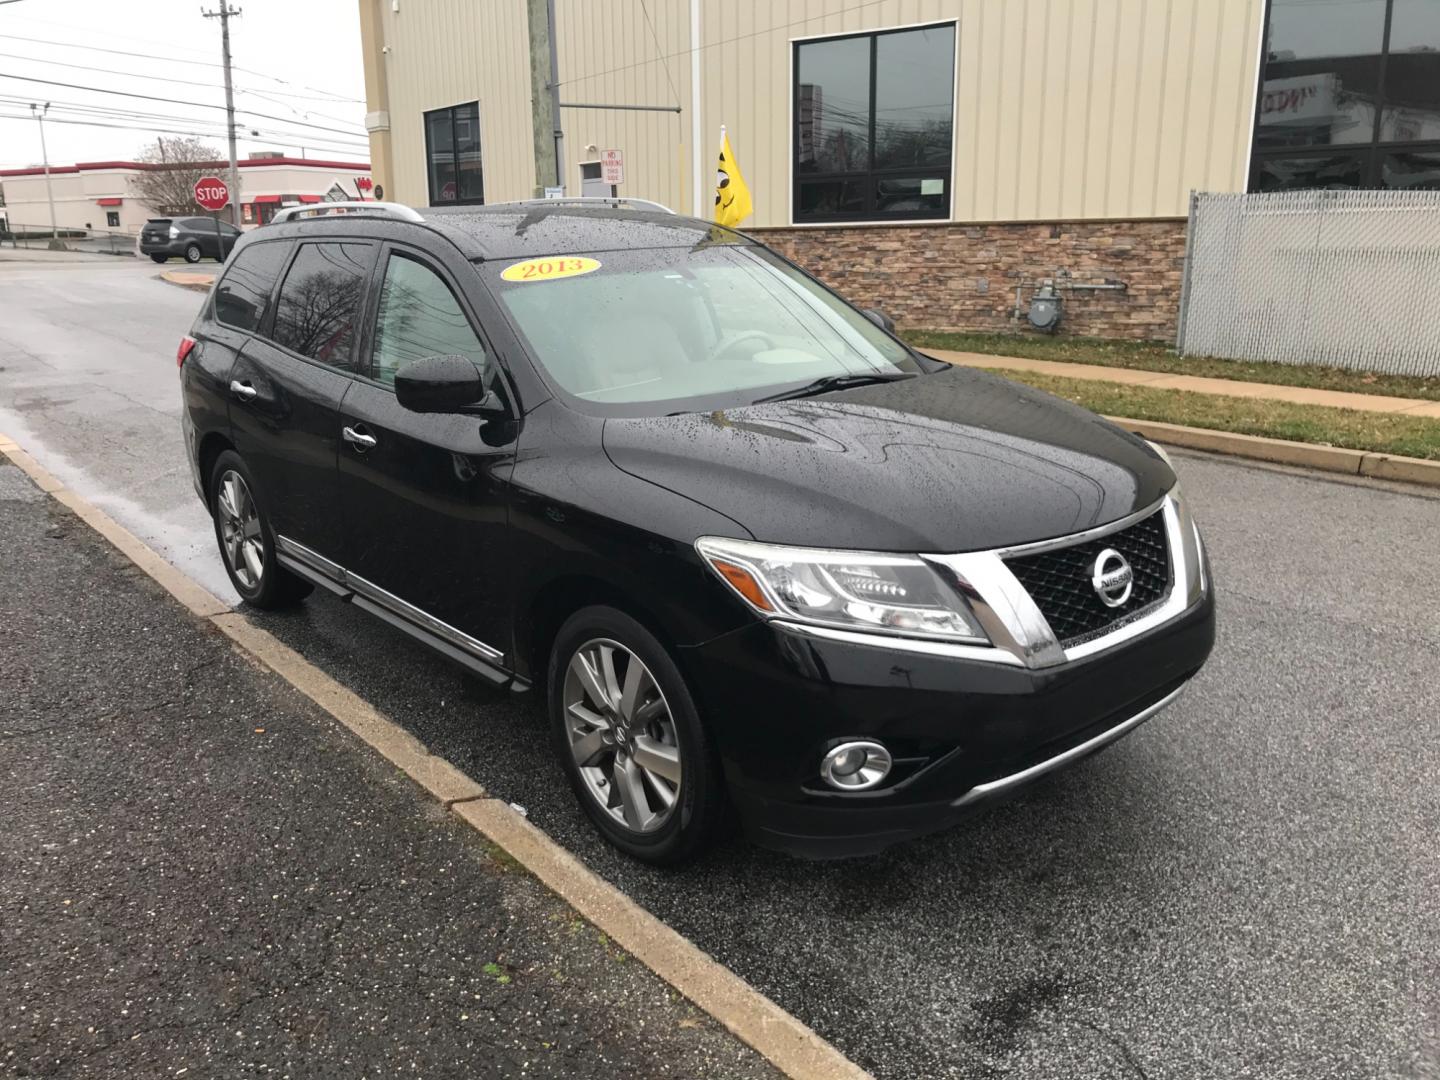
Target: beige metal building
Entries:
(934, 158)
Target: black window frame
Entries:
(870, 177)
(1371, 154)
(454, 154)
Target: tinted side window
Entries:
(320, 300)
(418, 317)
(244, 291)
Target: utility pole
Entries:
(39, 111)
(224, 15)
(544, 93)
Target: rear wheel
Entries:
(246, 542)
(158, 257)
(630, 738)
(192, 253)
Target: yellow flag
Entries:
(732, 197)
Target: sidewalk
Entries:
(204, 875)
(1159, 380)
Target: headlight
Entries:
(854, 590)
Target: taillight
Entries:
(186, 345)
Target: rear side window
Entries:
(244, 291)
(320, 301)
(418, 317)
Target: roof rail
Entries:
(592, 200)
(389, 209)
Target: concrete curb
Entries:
(1199, 384)
(792, 1047)
(1325, 458)
(199, 281)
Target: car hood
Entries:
(957, 460)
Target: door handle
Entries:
(242, 390)
(359, 439)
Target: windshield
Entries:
(669, 329)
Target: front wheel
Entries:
(246, 542)
(630, 738)
(192, 253)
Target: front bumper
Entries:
(966, 725)
(964, 733)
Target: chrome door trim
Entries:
(375, 594)
(313, 559)
(1024, 776)
(422, 618)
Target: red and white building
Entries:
(102, 194)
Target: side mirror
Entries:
(879, 318)
(443, 384)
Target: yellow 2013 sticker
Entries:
(549, 268)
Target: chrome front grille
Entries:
(1060, 580)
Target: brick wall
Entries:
(963, 277)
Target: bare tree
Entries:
(180, 161)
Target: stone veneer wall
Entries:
(947, 276)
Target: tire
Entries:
(192, 253)
(255, 573)
(159, 258)
(613, 787)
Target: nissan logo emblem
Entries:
(1113, 579)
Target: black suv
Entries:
(192, 238)
(753, 550)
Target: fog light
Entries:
(855, 766)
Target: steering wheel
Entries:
(749, 335)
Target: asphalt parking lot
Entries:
(1248, 886)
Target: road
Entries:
(1248, 886)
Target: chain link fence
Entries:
(1346, 279)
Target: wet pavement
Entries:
(202, 874)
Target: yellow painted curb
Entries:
(789, 1045)
(784, 1041)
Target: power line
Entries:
(723, 41)
(180, 60)
(173, 131)
(107, 113)
(656, 39)
(275, 97)
(192, 104)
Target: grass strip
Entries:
(1157, 356)
(1386, 433)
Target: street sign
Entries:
(612, 167)
(212, 193)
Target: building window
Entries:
(874, 121)
(112, 219)
(1349, 96)
(452, 151)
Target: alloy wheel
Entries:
(622, 735)
(240, 529)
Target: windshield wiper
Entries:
(827, 383)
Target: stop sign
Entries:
(211, 192)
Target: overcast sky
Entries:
(300, 60)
